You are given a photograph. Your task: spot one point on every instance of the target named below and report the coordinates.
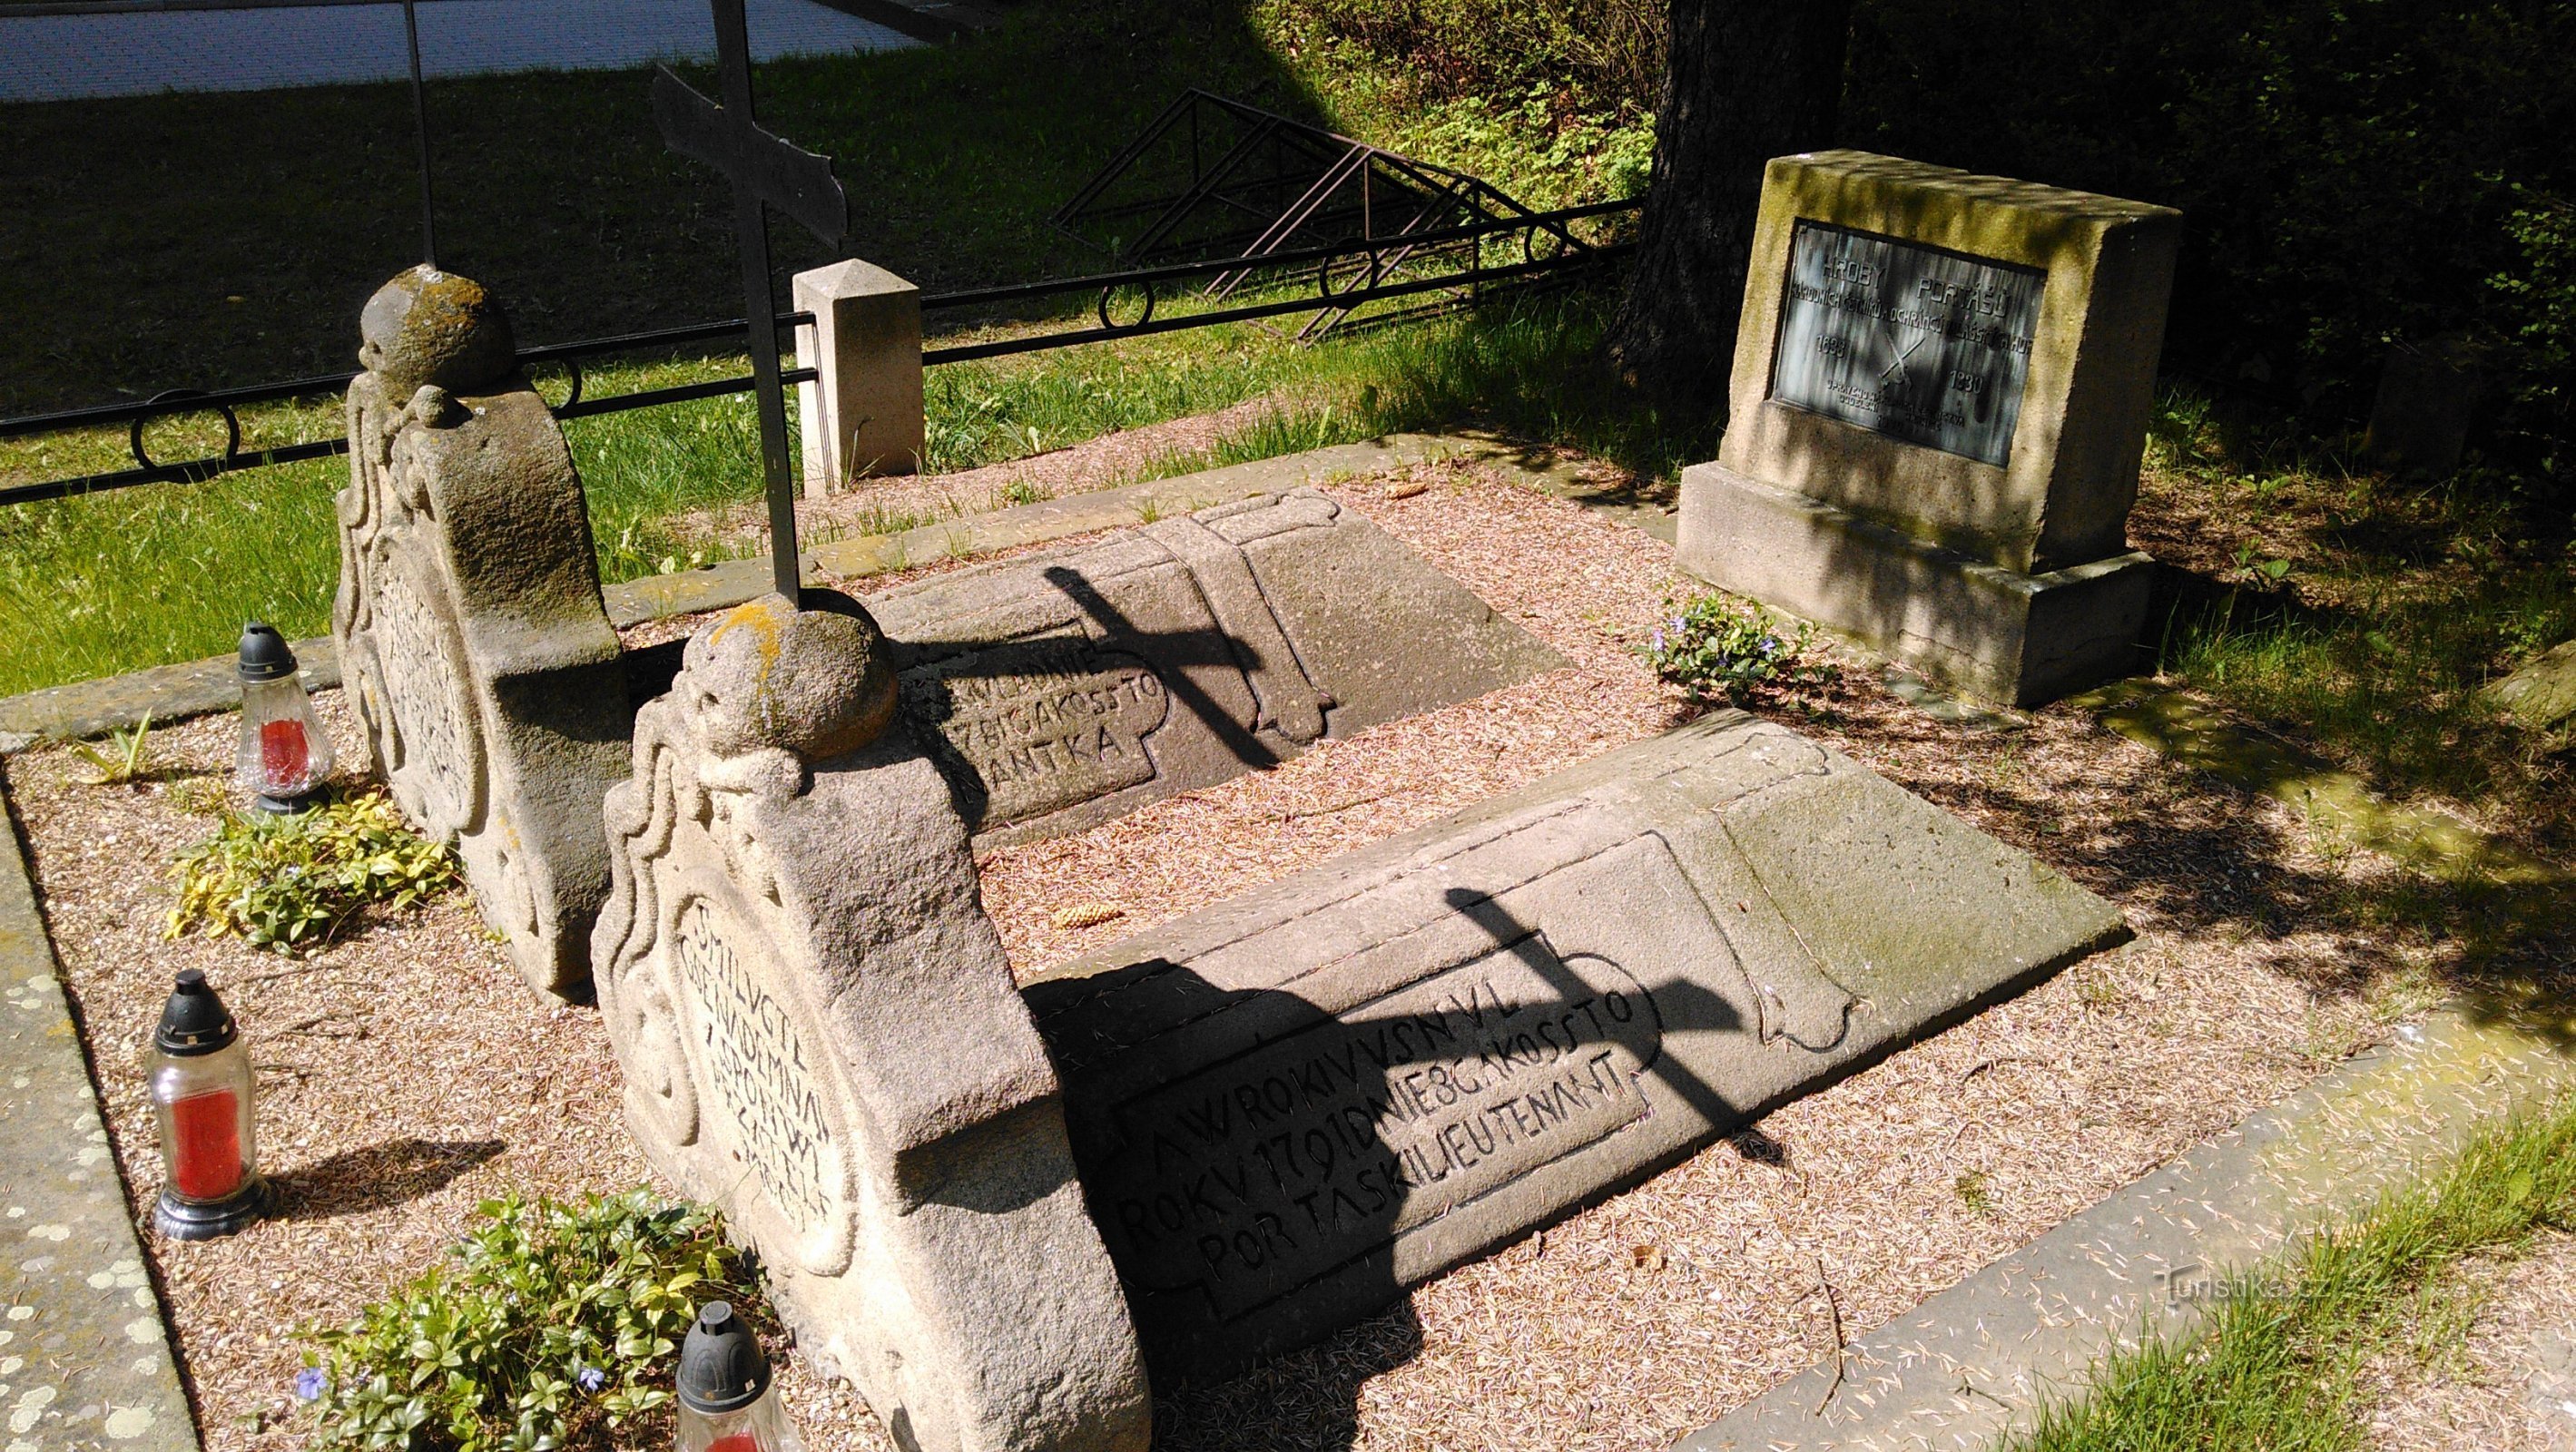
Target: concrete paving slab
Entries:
(84, 1355)
(63, 57)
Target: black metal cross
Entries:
(766, 171)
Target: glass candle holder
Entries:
(285, 755)
(202, 1104)
(726, 1401)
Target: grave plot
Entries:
(411, 1075)
(1061, 688)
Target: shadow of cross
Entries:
(766, 171)
(1179, 652)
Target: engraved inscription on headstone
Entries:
(1042, 724)
(755, 1060)
(820, 1034)
(1281, 1165)
(439, 751)
(1913, 342)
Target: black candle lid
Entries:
(265, 655)
(721, 1365)
(195, 1021)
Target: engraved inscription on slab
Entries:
(1260, 1174)
(1041, 724)
(754, 1061)
(1919, 344)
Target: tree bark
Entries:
(1749, 80)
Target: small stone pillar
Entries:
(2428, 395)
(862, 415)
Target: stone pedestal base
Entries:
(2006, 637)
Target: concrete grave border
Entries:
(1975, 1363)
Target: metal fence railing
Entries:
(1333, 279)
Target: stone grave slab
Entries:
(1289, 1107)
(1061, 689)
(470, 632)
(1938, 405)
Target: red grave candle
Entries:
(283, 755)
(738, 1442)
(206, 1157)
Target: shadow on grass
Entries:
(2207, 859)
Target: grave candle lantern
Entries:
(726, 1404)
(201, 1095)
(285, 754)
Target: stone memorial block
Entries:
(1064, 688)
(819, 1032)
(1289, 1107)
(1939, 401)
(472, 640)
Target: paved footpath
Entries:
(61, 57)
(84, 1358)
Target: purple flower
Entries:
(310, 1383)
(590, 1379)
(1659, 640)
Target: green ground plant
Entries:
(1718, 649)
(123, 758)
(556, 1325)
(2281, 1362)
(290, 884)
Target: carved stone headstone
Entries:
(819, 1032)
(471, 634)
(1939, 400)
(1291, 1106)
(1064, 688)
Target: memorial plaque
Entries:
(1041, 724)
(1938, 404)
(1913, 342)
(1289, 1107)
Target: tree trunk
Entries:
(1749, 80)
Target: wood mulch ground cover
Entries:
(409, 1075)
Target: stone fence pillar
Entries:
(862, 415)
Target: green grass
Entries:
(140, 577)
(202, 240)
(2361, 614)
(2280, 1363)
(231, 238)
